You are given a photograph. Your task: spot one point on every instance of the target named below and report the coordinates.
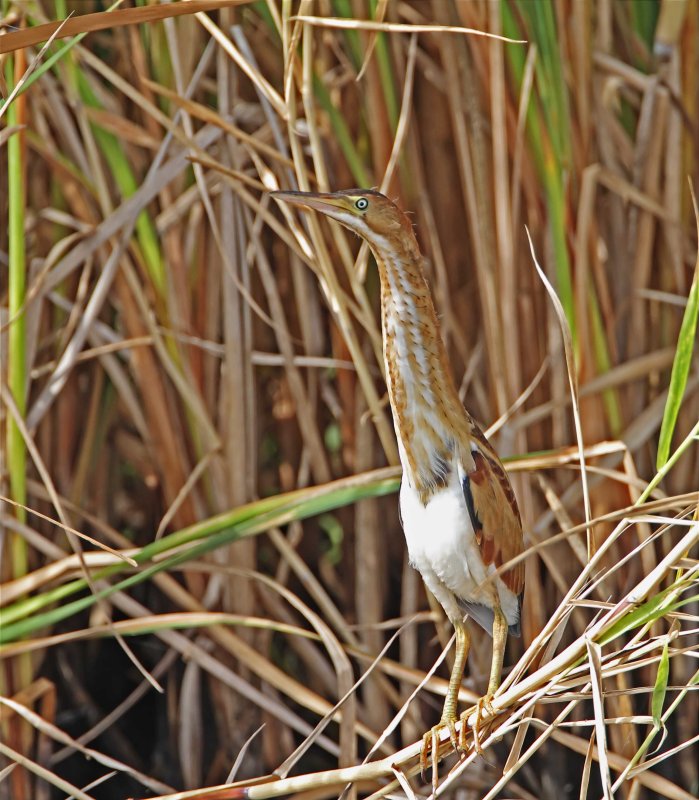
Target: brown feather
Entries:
(498, 527)
(430, 421)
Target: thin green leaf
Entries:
(21, 618)
(16, 463)
(682, 362)
(342, 133)
(343, 8)
(660, 688)
(548, 129)
(653, 609)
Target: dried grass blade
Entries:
(23, 83)
(225, 674)
(55, 733)
(516, 749)
(400, 714)
(101, 20)
(128, 210)
(656, 783)
(74, 541)
(548, 731)
(345, 677)
(397, 27)
(404, 118)
(594, 654)
(573, 381)
(284, 769)
(37, 769)
(68, 529)
(241, 754)
(206, 114)
(257, 78)
(587, 768)
(402, 779)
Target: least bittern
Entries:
(458, 510)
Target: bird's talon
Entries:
(435, 758)
(484, 703)
(453, 738)
(431, 742)
(487, 704)
(424, 750)
(464, 727)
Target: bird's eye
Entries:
(362, 204)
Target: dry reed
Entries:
(194, 382)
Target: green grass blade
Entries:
(547, 131)
(680, 366)
(343, 8)
(342, 133)
(644, 18)
(16, 355)
(660, 688)
(20, 671)
(126, 181)
(388, 86)
(653, 609)
(22, 619)
(550, 81)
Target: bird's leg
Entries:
(499, 642)
(431, 739)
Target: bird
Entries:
(456, 504)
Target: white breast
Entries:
(442, 547)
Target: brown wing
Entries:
(494, 513)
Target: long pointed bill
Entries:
(325, 203)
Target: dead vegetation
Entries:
(199, 530)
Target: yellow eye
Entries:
(362, 204)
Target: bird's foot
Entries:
(430, 746)
(483, 704)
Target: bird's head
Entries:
(367, 212)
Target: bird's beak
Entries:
(325, 203)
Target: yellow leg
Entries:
(463, 643)
(499, 642)
(430, 740)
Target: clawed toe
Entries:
(431, 742)
(463, 744)
(483, 704)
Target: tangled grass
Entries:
(203, 578)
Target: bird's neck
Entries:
(427, 413)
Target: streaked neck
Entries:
(427, 413)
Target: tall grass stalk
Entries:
(217, 433)
(17, 283)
